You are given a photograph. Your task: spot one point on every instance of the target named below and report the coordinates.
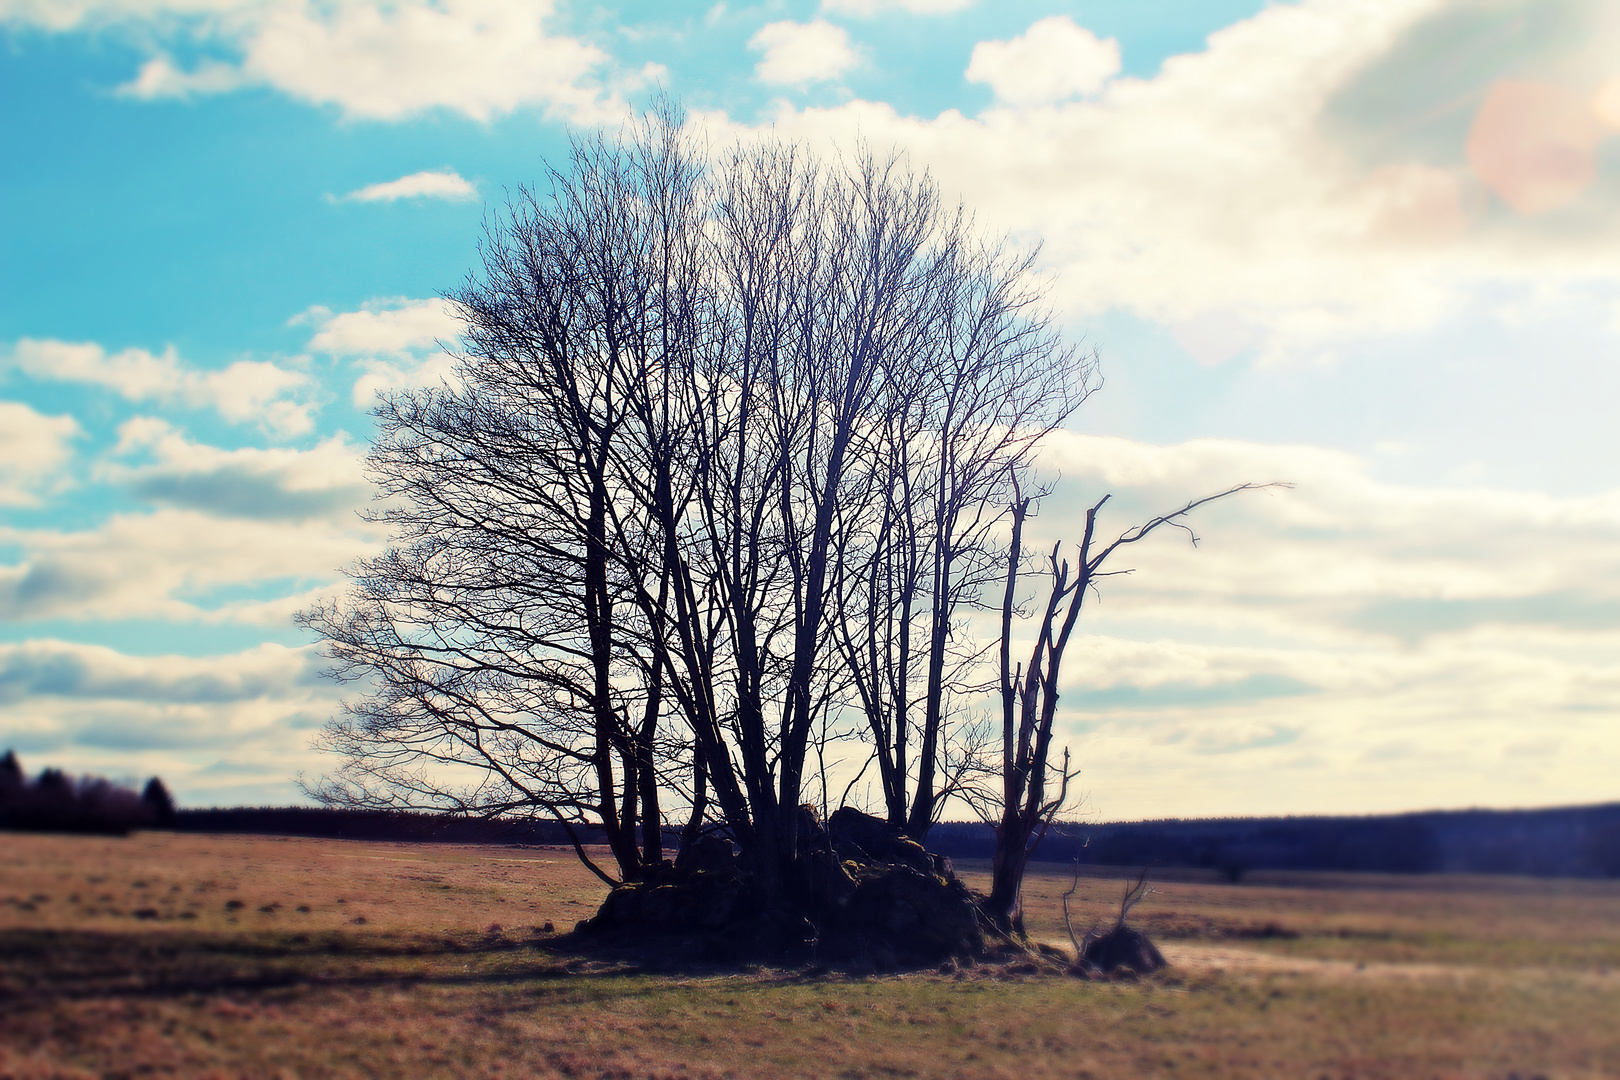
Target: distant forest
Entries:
(1578, 841)
(1563, 842)
(1582, 841)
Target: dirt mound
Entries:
(863, 892)
(1121, 948)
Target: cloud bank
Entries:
(395, 343)
(1356, 643)
(219, 730)
(795, 54)
(1270, 193)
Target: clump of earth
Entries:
(868, 896)
(1124, 948)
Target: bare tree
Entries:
(959, 434)
(720, 463)
(504, 637)
(1030, 789)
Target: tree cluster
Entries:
(56, 802)
(731, 455)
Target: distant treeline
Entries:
(1581, 841)
(56, 802)
(379, 825)
(1564, 842)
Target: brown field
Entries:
(172, 955)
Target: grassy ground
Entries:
(188, 956)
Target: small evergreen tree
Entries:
(159, 805)
(11, 775)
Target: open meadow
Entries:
(190, 955)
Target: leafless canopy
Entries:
(1023, 793)
(720, 469)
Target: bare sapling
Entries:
(1033, 787)
(1121, 946)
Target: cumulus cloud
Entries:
(34, 452)
(799, 53)
(394, 342)
(373, 60)
(396, 325)
(1304, 179)
(248, 390)
(479, 57)
(324, 481)
(441, 184)
(182, 564)
(1051, 61)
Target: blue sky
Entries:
(1371, 247)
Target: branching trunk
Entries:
(720, 467)
(1029, 695)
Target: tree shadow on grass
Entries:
(50, 965)
(41, 967)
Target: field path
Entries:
(1195, 956)
(1199, 957)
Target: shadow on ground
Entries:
(46, 966)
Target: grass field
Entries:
(180, 955)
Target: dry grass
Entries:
(1501, 922)
(105, 975)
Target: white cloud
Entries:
(63, 15)
(394, 342)
(866, 9)
(800, 53)
(1318, 558)
(1313, 633)
(1249, 187)
(248, 390)
(374, 60)
(34, 452)
(1051, 61)
(397, 326)
(479, 57)
(441, 184)
(326, 480)
(180, 564)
